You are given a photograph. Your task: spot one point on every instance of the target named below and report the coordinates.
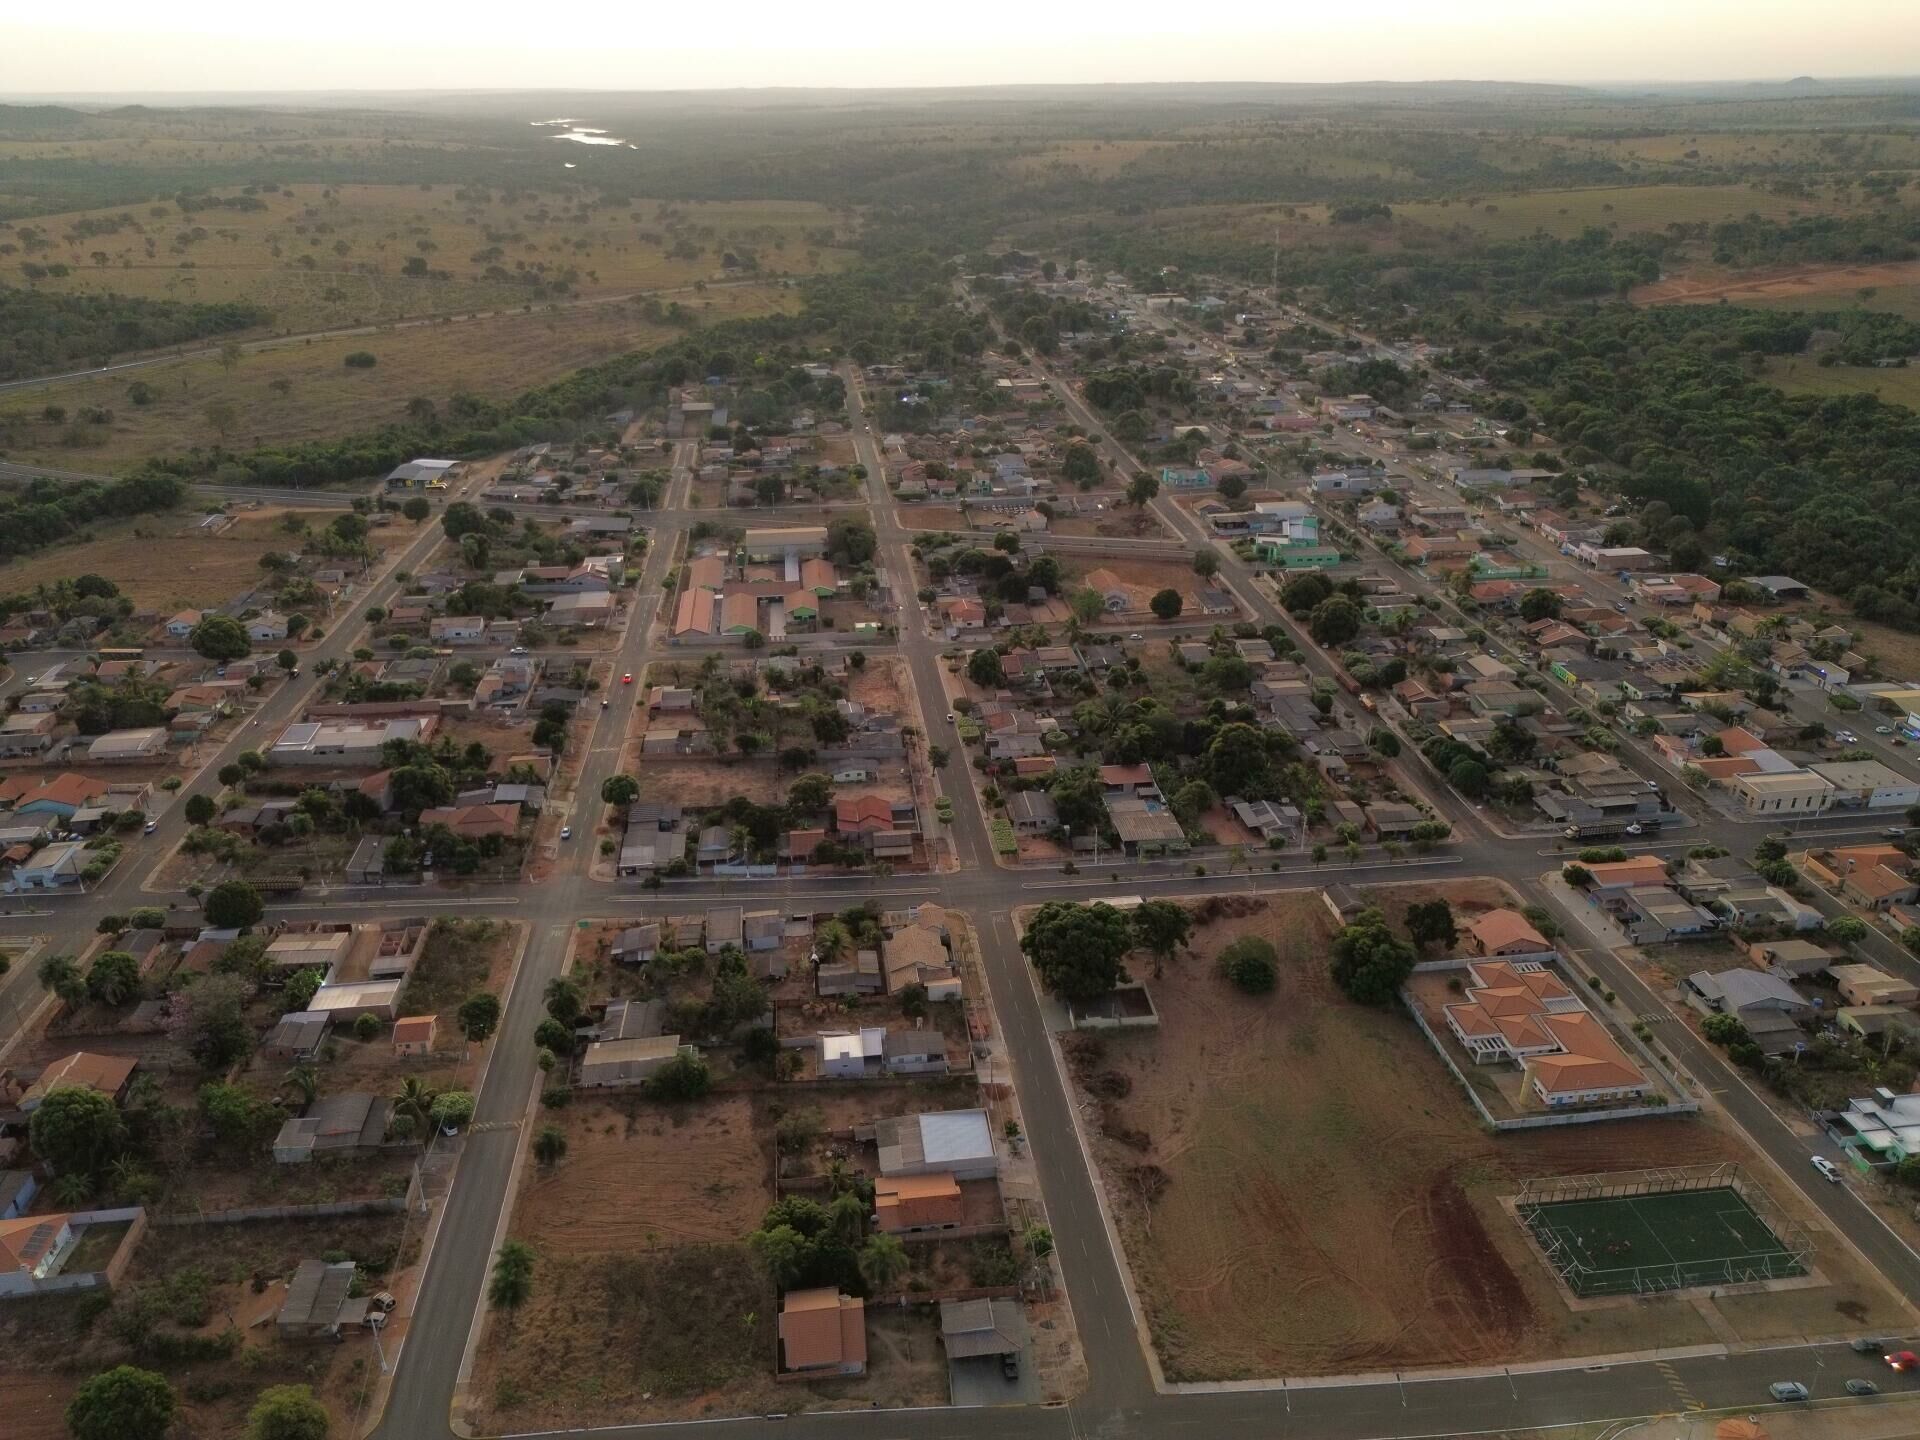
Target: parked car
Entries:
(1827, 1168)
(566, 832)
(518, 650)
(1789, 1390)
(1866, 1346)
(1010, 1366)
(382, 1301)
(1862, 1387)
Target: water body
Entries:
(588, 136)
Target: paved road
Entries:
(1120, 1399)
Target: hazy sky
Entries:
(245, 45)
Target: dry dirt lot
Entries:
(1806, 287)
(883, 686)
(710, 782)
(638, 1176)
(1326, 1201)
(166, 563)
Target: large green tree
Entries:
(1370, 962)
(77, 1131)
(1078, 950)
(124, 1403)
(288, 1412)
(220, 637)
(233, 905)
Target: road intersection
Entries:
(1124, 1396)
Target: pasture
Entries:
(302, 389)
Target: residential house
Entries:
(613, 1064)
(129, 747)
(822, 1332)
(349, 1124)
(267, 625)
(107, 1075)
(1032, 812)
(1875, 877)
(1506, 932)
(1861, 984)
(319, 1303)
(1769, 1006)
(413, 1036)
(905, 1204)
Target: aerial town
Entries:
(1144, 833)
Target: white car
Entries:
(1846, 737)
(1883, 729)
(566, 832)
(1635, 830)
(1827, 1168)
(949, 717)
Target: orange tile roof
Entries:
(821, 1328)
(1739, 741)
(1639, 870)
(1588, 1058)
(85, 1070)
(27, 1241)
(67, 788)
(1498, 929)
(413, 1027)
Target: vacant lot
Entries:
(1302, 1190)
(1801, 287)
(302, 390)
(711, 782)
(676, 1334)
(189, 1286)
(638, 1176)
(166, 563)
(324, 256)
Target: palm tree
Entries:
(512, 1276)
(305, 1082)
(839, 1176)
(415, 1101)
(883, 1260)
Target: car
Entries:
(450, 1131)
(1828, 1170)
(627, 679)
(1136, 635)
(1654, 786)
(1789, 1390)
(152, 825)
(1903, 1360)
(1883, 729)
(604, 704)
(566, 832)
(518, 650)
(1895, 832)
(1010, 1366)
(1846, 737)
(1636, 830)
(1862, 1387)
(949, 717)
(1868, 1346)
(383, 1301)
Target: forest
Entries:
(42, 332)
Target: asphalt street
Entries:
(1121, 1398)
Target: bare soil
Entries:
(1799, 282)
(638, 1176)
(1301, 1189)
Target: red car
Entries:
(1904, 1360)
(626, 679)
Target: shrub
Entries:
(360, 360)
(1250, 963)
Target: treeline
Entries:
(1872, 236)
(43, 333)
(41, 512)
(1819, 488)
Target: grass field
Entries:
(1632, 207)
(497, 358)
(1635, 1244)
(1301, 1189)
(1801, 377)
(324, 256)
(166, 563)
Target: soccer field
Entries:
(1633, 1244)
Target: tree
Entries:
(685, 1077)
(233, 905)
(288, 1412)
(1166, 604)
(1141, 490)
(1161, 927)
(1847, 929)
(221, 638)
(1080, 465)
(200, 809)
(782, 1251)
(619, 790)
(113, 978)
(232, 1113)
(416, 509)
(1430, 922)
(985, 670)
(1206, 564)
(549, 1146)
(1078, 949)
(415, 1101)
(564, 1000)
(1725, 1030)
(61, 976)
(1251, 964)
(1539, 604)
(77, 1131)
(479, 1016)
(451, 1109)
(124, 1403)
(1384, 743)
(1303, 592)
(1370, 962)
(213, 1020)
(1469, 777)
(883, 1260)
(809, 795)
(229, 775)
(1334, 621)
